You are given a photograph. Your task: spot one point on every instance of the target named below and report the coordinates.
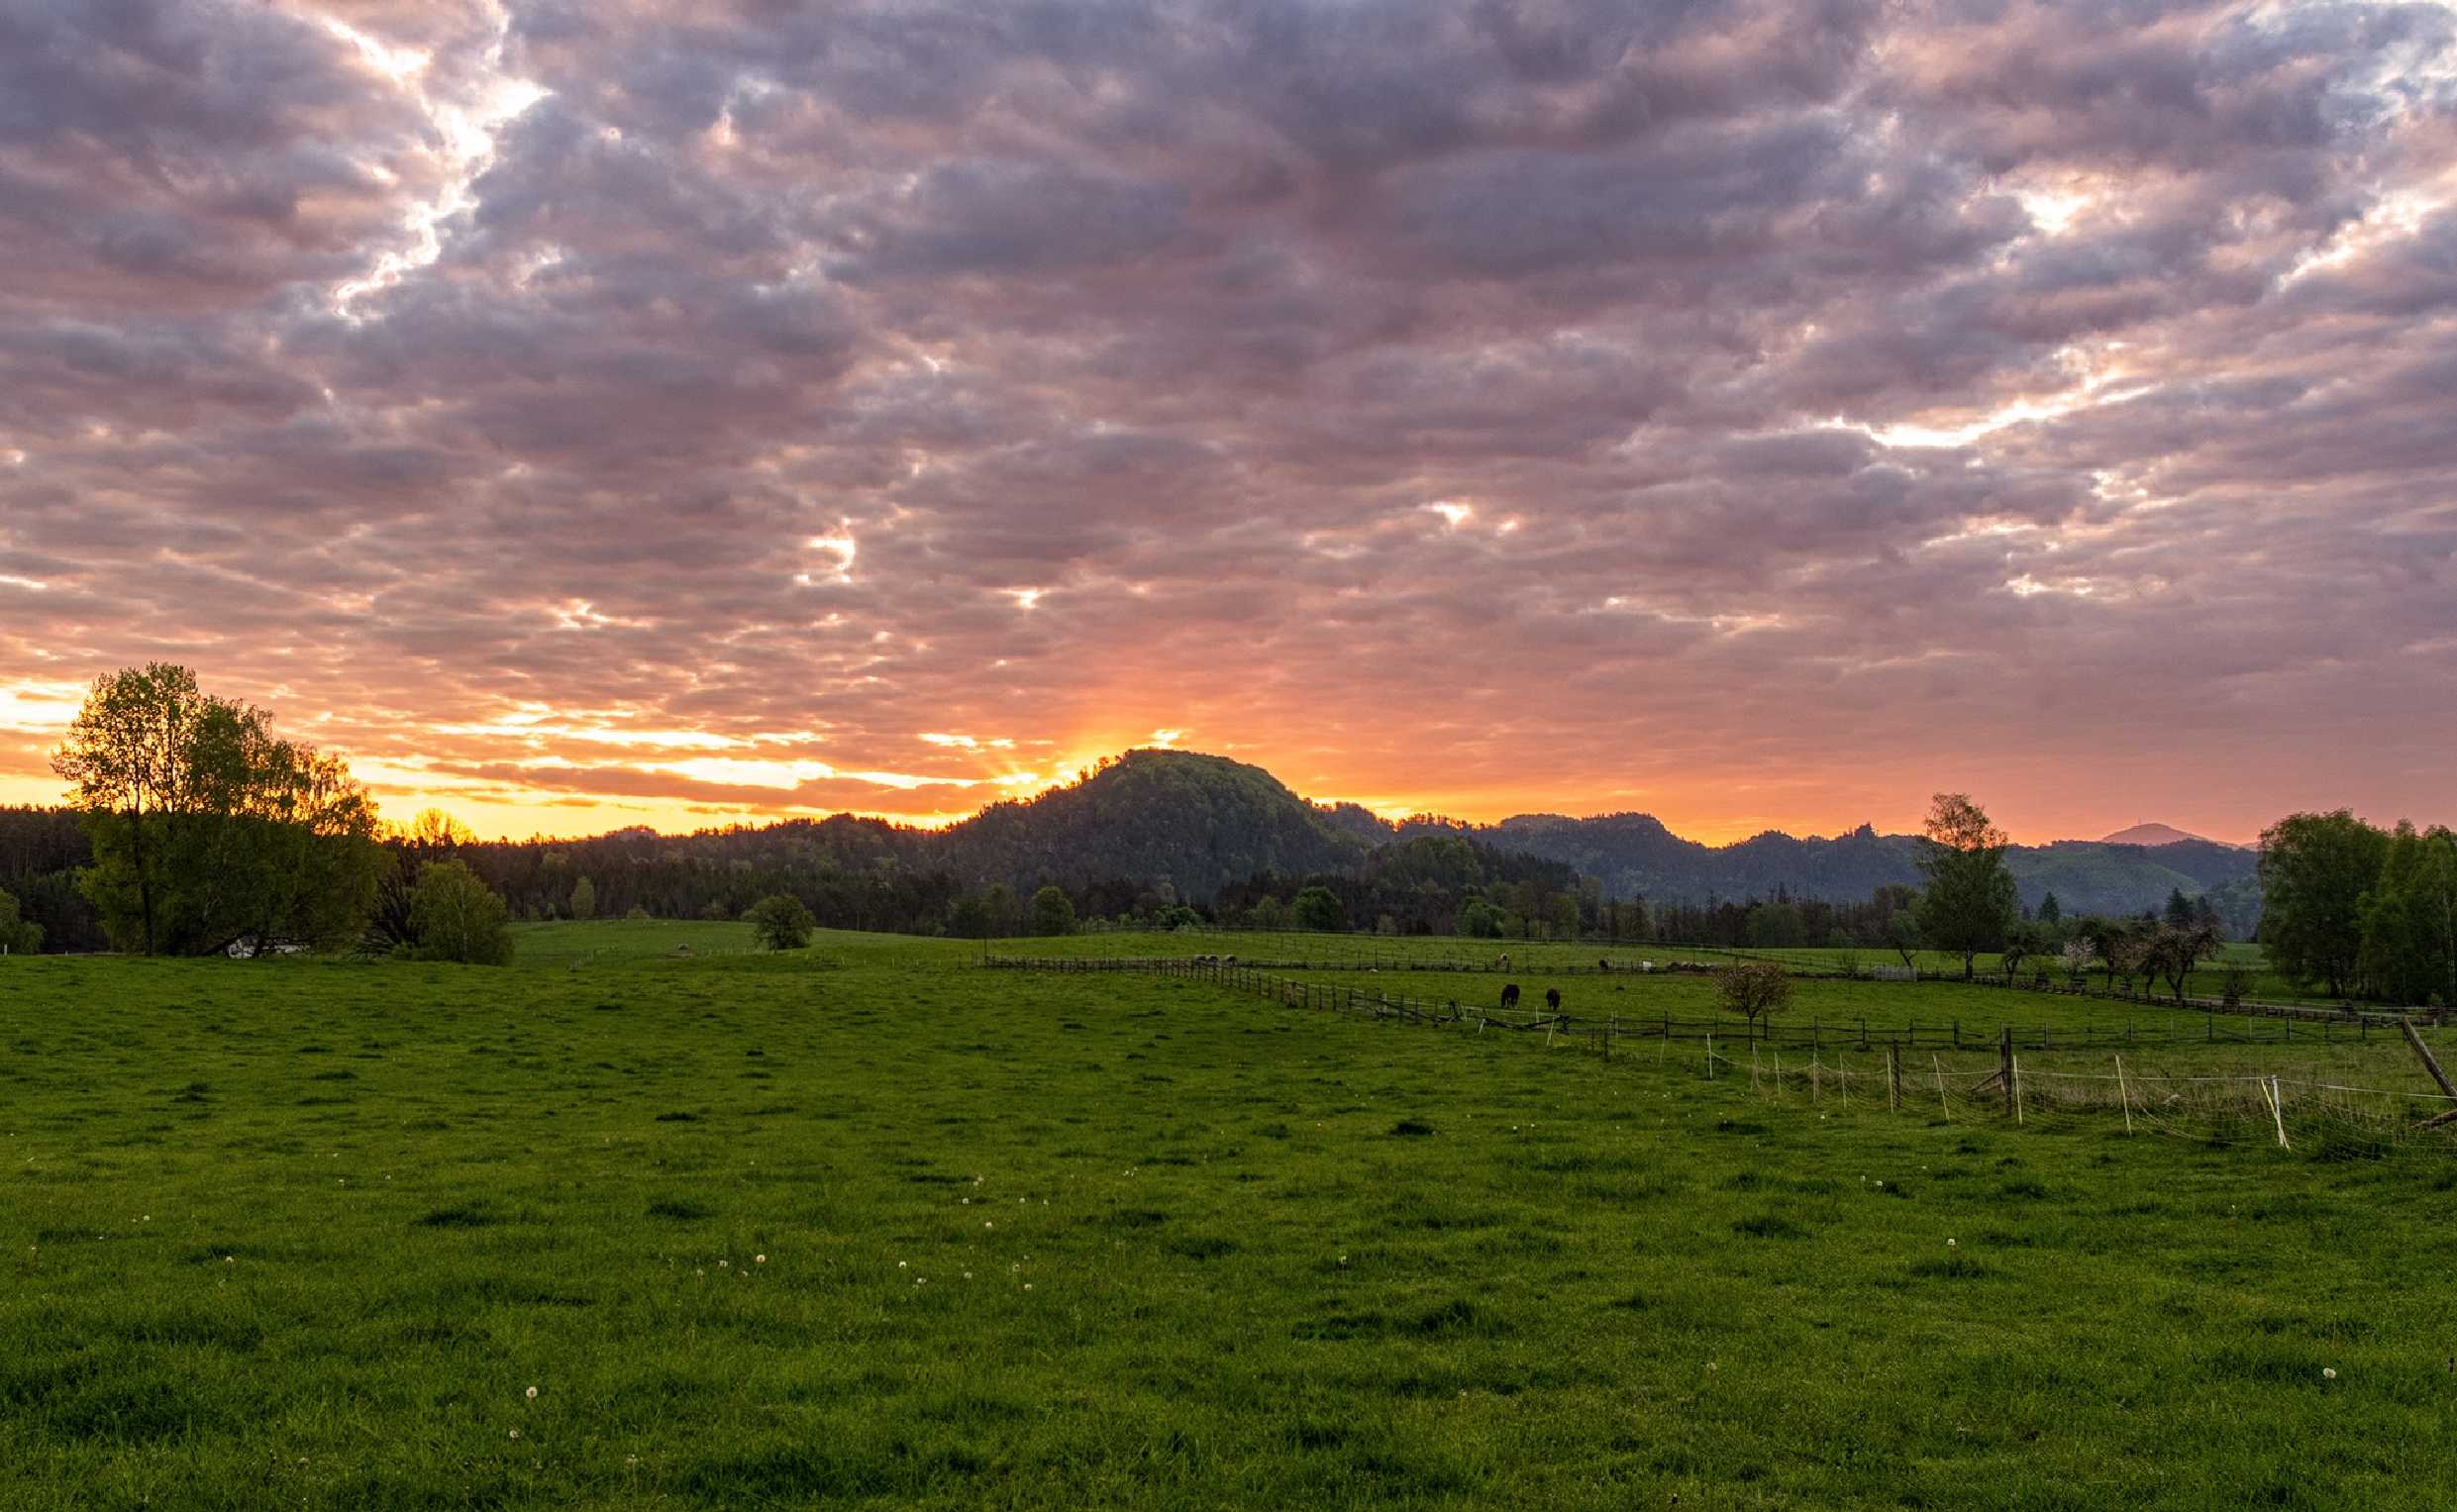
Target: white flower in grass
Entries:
(986, 1224)
(1949, 1244)
(759, 1259)
(2328, 1373)
(532, 1393)
(515, 1433)
(725, 1264)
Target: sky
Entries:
(585, 413)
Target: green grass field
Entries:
(607, 941)
(870, 1226)
(1532, 957)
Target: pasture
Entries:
(870, 1225)
(1526, 957)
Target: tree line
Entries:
(196, 829)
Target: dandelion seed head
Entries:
(2328, 1373)
(532, 1393)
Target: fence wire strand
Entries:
(1972, 1080)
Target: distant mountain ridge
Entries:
(2155, 835)
(1204, 821)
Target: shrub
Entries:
(456, 916)
(18, 936)
(784, 923)
(1319, 909)
(1052, 912)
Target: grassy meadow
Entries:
(1533, 956)
(867, 1225)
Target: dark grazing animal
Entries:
(1552, 998)
(1510, 995)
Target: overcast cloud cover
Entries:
(583, 411)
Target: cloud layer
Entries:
(1761, 414)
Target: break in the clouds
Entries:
(580, 411)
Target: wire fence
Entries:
(2172, 1027)
(1944, 1070)
(1695, 961)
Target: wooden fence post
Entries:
(1893, 1077)
(2431, 1063)
(2005, 1065)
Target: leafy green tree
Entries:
(2408, 952)
(1268, 913)
(584, 899)
(18, 936)
(1566, 915)
(1902, 937)
(208, 834)
(1479, 919)
(1052, 912)
(783, 920)
(2314, 872)
(1004, 913)
(456, 916)
(1970, 901)
(2021, 942)
(1320, 908)
(2051, 912)
(431, 836)
(1776, 926)
(967, 918)
(128, 756)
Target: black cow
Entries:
(1510, 995)
(1552, 998)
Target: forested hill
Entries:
(1199, 820)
